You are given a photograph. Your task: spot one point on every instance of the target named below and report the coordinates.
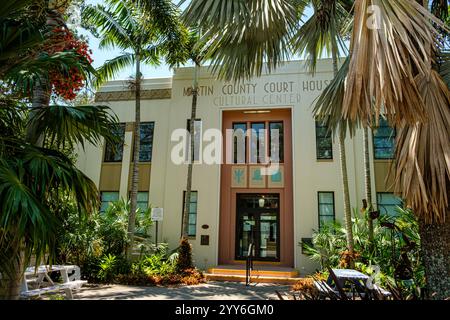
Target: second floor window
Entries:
(114, 153)
(146, 141)
(197, 139)
(384, 141)
(324, 143)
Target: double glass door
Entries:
(258, 223)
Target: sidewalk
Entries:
(206, 291)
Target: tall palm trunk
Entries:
(435, 243)
(40, 99)
(136, 146)
(185, 227)
(368, 184)
(344, 174)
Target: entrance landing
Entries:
(260, 274)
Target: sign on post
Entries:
(157, 214)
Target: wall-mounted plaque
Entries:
(239, 177)
(204, 240)
(257, 180)
(276, 180)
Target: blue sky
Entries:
(100, 56)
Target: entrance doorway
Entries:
(258, 223)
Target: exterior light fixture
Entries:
(256, 111)
(261, 202)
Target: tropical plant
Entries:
(145, 31)
(34, 174)
(395, 250)
(395, 67)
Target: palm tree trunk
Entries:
(435, 243)
(135, 173)
(344, 174)
(185, 227)
(41, 99)
(368, 184)
(346, 194)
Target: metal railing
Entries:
(249, 264)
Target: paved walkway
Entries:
(207, 291)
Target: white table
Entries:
(42, 272)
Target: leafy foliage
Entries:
(396, 249)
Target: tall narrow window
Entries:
(384, 141)
(192, 213)
(257, 142)
(324, 143)
(239, 142)
(326, 208)
(197, 139)
(146, 141)
(277, 145)
(388, 203)
(106, 198)
(114, 153)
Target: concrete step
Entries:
(253, 278)
(257, 272)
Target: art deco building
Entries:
(233, 202)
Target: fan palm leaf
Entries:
(70, 125)
(422, 166)
(243, 35)
(386, 57)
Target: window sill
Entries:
(325, 160)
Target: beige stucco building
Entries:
(226, 210)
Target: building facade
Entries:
(235, 199)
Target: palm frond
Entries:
(422, 167)
(320, 33)
(328, 106)
(386, 57)
(23, 77)
(114, 31)
(69, 125)
(112, 67)
(244, 35)
(444, 66)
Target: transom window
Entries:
(254, 140)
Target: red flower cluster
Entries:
(67, 84)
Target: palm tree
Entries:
(323, 32)
(392, 69)
(32, 178)
(195, 50)
(144, 31)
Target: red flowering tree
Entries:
(66, 84)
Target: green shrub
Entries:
(395, 249)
